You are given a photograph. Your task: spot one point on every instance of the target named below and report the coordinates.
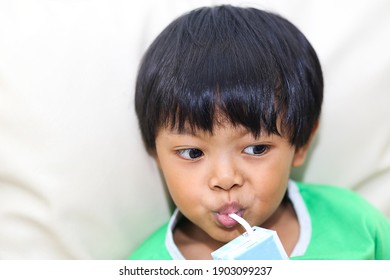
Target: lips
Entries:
(222, 215)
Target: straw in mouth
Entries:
(242, 222)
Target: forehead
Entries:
(226, 130)
(220, 121)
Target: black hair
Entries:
(253, 67)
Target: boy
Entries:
(228, 100)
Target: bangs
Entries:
(241, 105)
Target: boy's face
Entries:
(229, 171)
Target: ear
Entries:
(301, 153)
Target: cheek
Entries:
(183, 185)
(274, 178)
(277, 170)
(176, 183)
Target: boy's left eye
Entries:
(256, 149)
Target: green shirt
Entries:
(343, 226)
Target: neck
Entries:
(193, 242)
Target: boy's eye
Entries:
(190, 154)
(256, 149)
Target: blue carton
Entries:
(261, 244)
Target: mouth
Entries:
(222, 215)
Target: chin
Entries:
(226, 235)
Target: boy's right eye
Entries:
(190, 154)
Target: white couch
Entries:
(75, 182)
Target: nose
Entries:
(225, 174)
